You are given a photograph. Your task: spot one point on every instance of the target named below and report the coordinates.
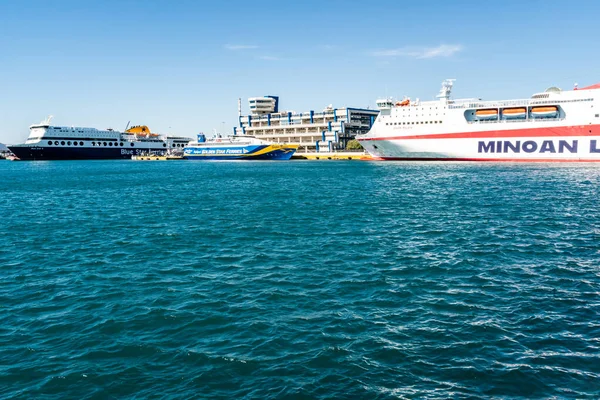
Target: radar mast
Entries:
(446, 90)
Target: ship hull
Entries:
(560, 144)
(40, 153)
(253, 152)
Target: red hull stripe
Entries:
(596, 86)
(562, 131)
(542, 160)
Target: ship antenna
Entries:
(446, 90)
(127, 126)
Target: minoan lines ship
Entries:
(555, 125)
(47, 142)
(237, 147)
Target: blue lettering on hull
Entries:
(531, 146)
(272, 155)
(251, 152)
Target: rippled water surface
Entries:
(299, 280)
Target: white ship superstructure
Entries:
(49, 142)
(555, 125)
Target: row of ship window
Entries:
(516, 103)
(75, 143)
(412, 123)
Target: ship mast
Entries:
(446, 90)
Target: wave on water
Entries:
(299, 280)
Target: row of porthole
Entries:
(108, 144)
(413, 123)
(75, 143)
(63, 143)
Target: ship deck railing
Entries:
(492, 104)
(512, 103)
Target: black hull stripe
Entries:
(78, 153)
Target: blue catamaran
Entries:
(239, 147)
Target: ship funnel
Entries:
(201, 138)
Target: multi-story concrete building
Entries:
(329, 130)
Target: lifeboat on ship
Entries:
(544, 112)
(140, 130)
(486, 115)
(403, 103)
(514, 113)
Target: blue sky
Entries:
(180, 66)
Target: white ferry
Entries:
(48, 142)
(237, 147)
(556, 125)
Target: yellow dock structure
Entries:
(346, 155)
(155, 157)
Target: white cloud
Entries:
(443, 50)
(235, 47)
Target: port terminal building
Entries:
(326, 131)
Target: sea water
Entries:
(323, 279)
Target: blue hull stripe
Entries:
(237, 153)
(274, 155)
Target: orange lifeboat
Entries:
(514, 113)
(140, 130)
(544, 112)
(486, 114)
